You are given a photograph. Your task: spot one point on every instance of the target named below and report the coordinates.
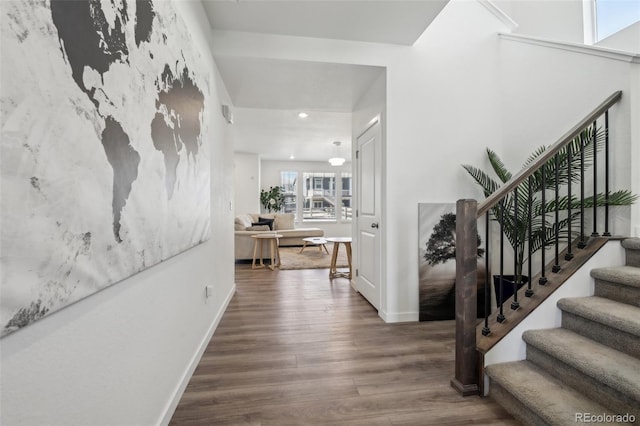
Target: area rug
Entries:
(311, 258)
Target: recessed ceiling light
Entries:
(291, 157)
(303, 115)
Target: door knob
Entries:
(374, 225)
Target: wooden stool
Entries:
(274, 250)
(333, 271)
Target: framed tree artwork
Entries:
(437, 262)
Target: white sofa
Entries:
(283, 223)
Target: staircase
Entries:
(590, 367)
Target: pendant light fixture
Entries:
(337, 160)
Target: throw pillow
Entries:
(242, 222)
(258, 228)
(261, 224)
(266, 221)
(284, 221)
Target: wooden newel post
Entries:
(466, 366)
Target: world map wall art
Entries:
(104, 155)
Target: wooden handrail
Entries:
(523, 174)
(467, 380)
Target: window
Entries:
(346, 195)
(319, 196)
(288, 182)
(614, 15)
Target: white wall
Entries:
(372, 104)
(447, 100)
(547, 89)
(121, 356)
(246, 176)
(627, 40)
(564, 21)
(270, 176)
(557, 20)
(442, 111)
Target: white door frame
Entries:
(382, 224)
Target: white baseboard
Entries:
(399, 316)
(173, 403)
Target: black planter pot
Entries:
(507, 286)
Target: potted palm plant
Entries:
(563, 169)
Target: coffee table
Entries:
(274, 250)
(333, 271)
(314, 241)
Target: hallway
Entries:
(295, 348)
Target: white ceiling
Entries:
(281, 84)
(377, 21)
(277, 134)
(267, 94)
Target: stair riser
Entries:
(589, 386)
(633, 257)
(514, 406)
(616, 339)
(618, 292)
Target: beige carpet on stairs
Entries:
(311, 257)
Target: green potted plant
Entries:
(516, 227)
(272, 200)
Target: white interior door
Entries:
(369, 166)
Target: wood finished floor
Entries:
(294, 348)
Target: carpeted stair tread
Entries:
(541, 393)
(627, 275)
(613, 314)
(572, 370)
(613, 368)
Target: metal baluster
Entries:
(501, 317)
(569, 254)
(529, 291)
(543, 279)
(556, 266)
(516, 280)
(487, 284)
(606, 174)
(583, 243)
(595, 183)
